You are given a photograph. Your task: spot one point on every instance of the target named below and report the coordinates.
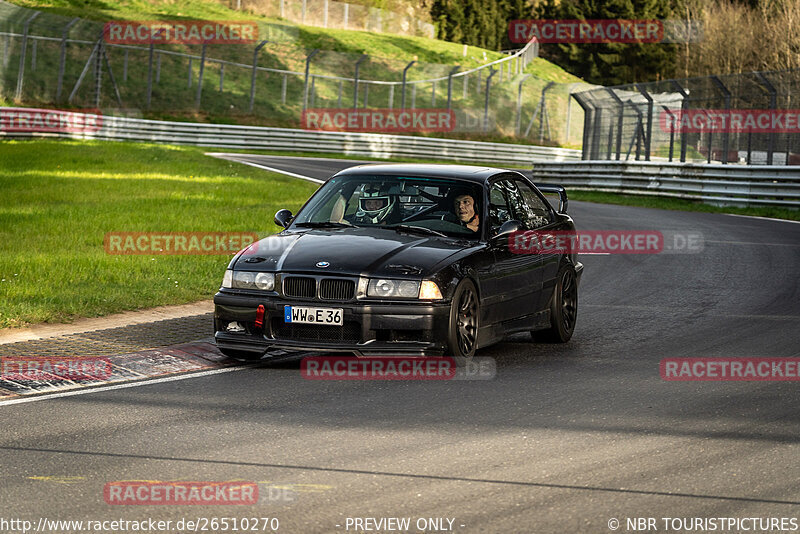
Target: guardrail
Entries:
(736, 185)
(264, 138)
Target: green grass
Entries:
(61, 197)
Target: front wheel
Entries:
(563, 307)
(462, 339)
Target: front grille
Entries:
(336, 289)
(351, 331)
(300, 286)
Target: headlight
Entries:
(250, 280)
(227, 280)
(404, 289)
(265, 281)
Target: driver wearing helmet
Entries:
(376, 205)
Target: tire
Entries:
(242, 355)
(563, 308)
(462, 336)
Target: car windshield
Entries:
(432, 206)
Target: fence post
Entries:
(684, 109)
(391, 97)
(98, 73)
(283, 89)
(649, 135)
(303, 14)
(587, 124)
(305, 81)
(405, 73)
(339, 100)
(189, 82)
(465, 86)
(519, 103)
(355, 80)
(492, 72)
(325, 15)
(346, 14)
(725, 133)
(620, 117)
(63, 58)
(253, 77)
(199, 93)
(33, 54)
(773, 104)
(21, 73)
(450, 84)
(221, 75)
(433, 94)
(671, 130)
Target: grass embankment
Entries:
(61, 198)
(174, 96)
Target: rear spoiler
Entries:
(558, 189)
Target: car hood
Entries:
(350, 251)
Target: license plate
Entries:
(308, 315)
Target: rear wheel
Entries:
(563, 307)
(464, 313)
(242, 355)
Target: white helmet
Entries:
(379, 200)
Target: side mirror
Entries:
(509, 227)
(283, 218)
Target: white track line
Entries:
(126, 385)
(761, 218)
(273, 169)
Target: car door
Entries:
(515, 278)
(535, 213)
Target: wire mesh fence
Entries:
(55, 61)
(750, 118)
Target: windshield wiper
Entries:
(324, 224)
(418, 229)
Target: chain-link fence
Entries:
(340, 15)
(747, 118)
(54, 61)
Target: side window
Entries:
(536, 212)
(499, 211)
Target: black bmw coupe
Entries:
(402, 260)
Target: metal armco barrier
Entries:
(736, 185)
(262, 138)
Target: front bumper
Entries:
(370, 328)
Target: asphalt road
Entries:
(564, 439)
